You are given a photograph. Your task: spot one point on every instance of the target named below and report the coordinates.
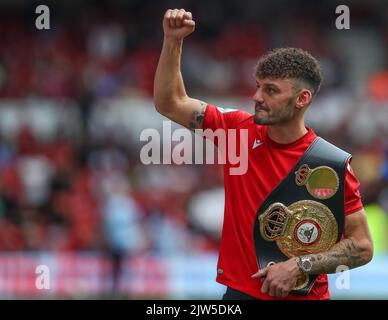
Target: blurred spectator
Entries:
(378, 86)
(207, 210)
(121, 224)
(106, 41)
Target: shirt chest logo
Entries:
(256, 143)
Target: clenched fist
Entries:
(178, 23)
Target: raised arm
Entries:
(170, 95)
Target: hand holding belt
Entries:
(305, 227)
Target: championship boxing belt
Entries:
(304, 214)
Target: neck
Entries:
(286, 133)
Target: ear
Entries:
(304, 98)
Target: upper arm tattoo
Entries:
(197, 117)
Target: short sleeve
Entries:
(216, 118)
(353, 202)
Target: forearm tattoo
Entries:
(345, 253)
(197, 117)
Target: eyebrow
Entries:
(271, 85)
(268, 84)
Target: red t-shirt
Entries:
(268, 164)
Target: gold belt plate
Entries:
(304, 227)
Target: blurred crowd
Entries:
(81, 186)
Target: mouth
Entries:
(260, 109)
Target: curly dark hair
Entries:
(292, 63)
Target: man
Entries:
(287, 80)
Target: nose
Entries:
(258, 96)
